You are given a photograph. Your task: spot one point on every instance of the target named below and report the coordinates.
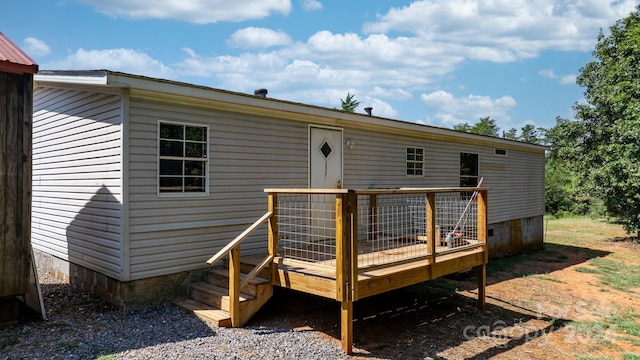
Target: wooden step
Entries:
(205, 312)
(220, 277)
(215, 296)
(249, 262)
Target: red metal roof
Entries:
(13, 59)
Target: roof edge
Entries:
(271, 106)
(13, 59)
(80, 77)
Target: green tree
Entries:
(349, 104)
(464, 127)
(484, 126)
(512, 134)
(532, 135)
(563, 190)
(603, 141)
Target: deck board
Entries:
(319, 279)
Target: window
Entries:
(500, 152)
(415, 161)
(468, 170)
(182, 160)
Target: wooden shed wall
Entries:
(77, 197)
(15, 182)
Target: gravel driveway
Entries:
(80, 326)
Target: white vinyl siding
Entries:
(77, 177)
(516, 182)
(78, 163)
(246, 155)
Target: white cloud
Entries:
(125, 60)
(376, 66)
(504, 30)
(35, 47)
(194, 11)
(258, 38)
(563, 79)
(568, 79)
(449, 110)
(311, 5)
(547, 73)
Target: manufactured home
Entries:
(137, 181)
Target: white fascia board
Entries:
(98, 79)
(303, 112)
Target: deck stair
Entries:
(209, 299)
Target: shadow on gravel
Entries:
(424, 320)
(432, 319)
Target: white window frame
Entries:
(205, 159)
(421, 162)
(495, 152)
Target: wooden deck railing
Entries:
(352, 231)
(364, 242)
(235, 283)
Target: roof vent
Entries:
(368, 109)
(260, 92)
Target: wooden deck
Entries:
(321, 280)
(340, 271)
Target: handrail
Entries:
(235, 242)
(263, 264)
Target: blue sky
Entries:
(436, 62)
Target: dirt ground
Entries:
(539, 306)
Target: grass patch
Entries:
(581, 232)
(627, 322)
(106, 357)
(548, 278)
(617, 275)
(594, 358)
(505, 264)
(630, 356)
(592, 330)
(623, 326)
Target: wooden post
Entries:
(346, 326)
(273, 231)
(234, 286)
(343, 270)
(482, 286)
(431, 230)
(352, 198)
(342, 248)
(482, 238)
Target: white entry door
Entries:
(325, 158)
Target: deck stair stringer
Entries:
(209, 300)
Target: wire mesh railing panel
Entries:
(456, 220)
(307, 227)
(391, 227)
(388, 230)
